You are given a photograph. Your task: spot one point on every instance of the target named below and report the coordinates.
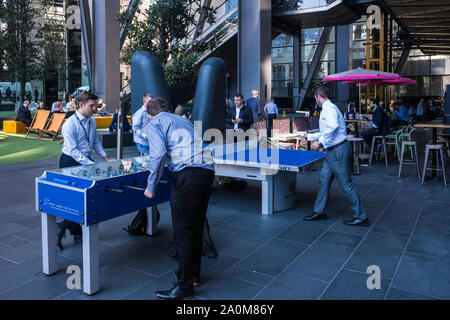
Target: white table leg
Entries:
(91, 267)
(267, 195)
(49, 265)
(152, 224)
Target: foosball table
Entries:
(89, 195)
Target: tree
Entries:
(52, 60)
(167, 25)
(22, 20)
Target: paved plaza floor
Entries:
(260, 257)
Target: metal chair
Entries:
(440, 148)
(357, 144)
(372, 149)
(412, 145)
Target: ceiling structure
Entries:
(426, 23)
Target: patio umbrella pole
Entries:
(359, 96)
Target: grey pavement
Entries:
(260, 257)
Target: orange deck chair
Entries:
(54, 126)
(38, 123)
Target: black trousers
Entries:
(270, 118)
(66, 161)
(189, 202)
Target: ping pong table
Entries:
(276, 169)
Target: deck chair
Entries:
(54, 126)
(38, 124)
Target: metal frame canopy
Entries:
(427, 23)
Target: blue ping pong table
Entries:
(276, 169)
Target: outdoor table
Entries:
(434, 126)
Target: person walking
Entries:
(332, 137)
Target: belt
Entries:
(336, 145)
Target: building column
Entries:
(297, 71)
(255, 48)
(107, 51)
(342, 93)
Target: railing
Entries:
(293, 5)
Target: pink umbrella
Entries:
(360, 75)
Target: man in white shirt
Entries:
(80, 138)
(139, 121)
(333, 139)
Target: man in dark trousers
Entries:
(171, 141)
(80, 138)
(332, 137)
(239, 117)
(24, 114)
(380, 123)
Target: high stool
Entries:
(415, 161)
(356, 146)
(384, 152)
(437, 147)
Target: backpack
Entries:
(139, 224)
(209, 249)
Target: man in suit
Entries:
(380, 123)
(239, 117)
(24, 114)
(255, 105)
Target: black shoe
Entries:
(78, 240)
(315, 216)
(357, 222)
(174, 294)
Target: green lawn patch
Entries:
(14, 148)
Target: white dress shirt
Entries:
(139, 121)
(80, 137)
(238, 111)
(331, 125)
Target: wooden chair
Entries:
(261, 128)
(38, 124)
(280, 127)
(54, 126)
(300, 124)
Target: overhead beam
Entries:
(402, 62)
(314, 65)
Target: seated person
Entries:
(412, 114)
(101, 109)
(380, 123)
(57, 106)
(41, 106)
(125, 124)
(401, 114)
(72, 107)
(24, 114)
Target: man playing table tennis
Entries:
(171, 140)
(333, 139)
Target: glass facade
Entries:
(282, 66)
(308, 45)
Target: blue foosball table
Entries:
(90, 195)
